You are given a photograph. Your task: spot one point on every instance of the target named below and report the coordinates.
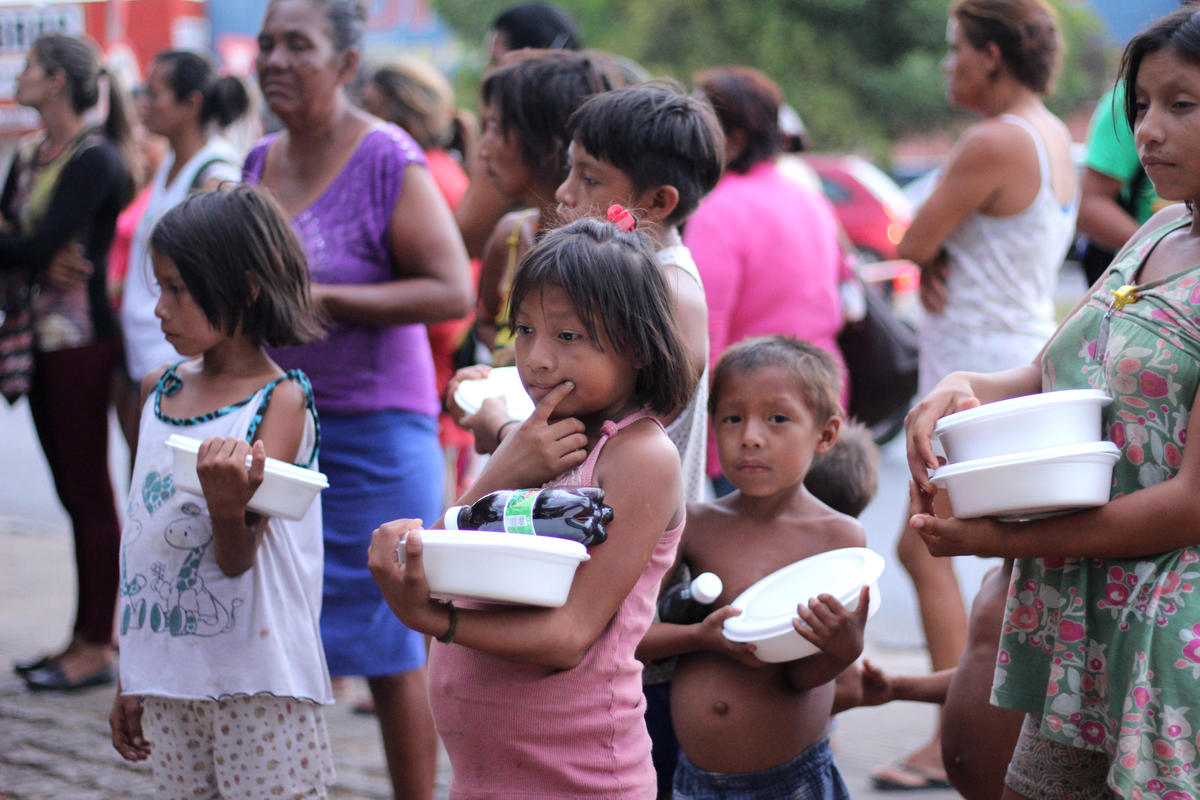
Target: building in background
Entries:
(131, 32)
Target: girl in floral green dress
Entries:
(1100, 644)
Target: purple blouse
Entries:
(359, 368)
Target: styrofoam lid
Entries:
(1015, 405)
(273, 466)
(502, 382)
(1105, 452)
(485, 542)
(769, 606)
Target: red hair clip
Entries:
(618, 216)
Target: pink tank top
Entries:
(520, 730)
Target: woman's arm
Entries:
(228, 484)
(1157, 519)
(433, 278)
(959, 391)
(87, 180)
(554, 637)
(976, 170)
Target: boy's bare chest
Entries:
(741, 561)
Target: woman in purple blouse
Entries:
(386, 259)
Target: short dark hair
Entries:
(745, 100)
(818, 378)
(241, 263)
(846, 476)
(535, 92)
(1179, 30)
(614, 280)
(225, 98)
(657, 135)
(537, 25)
(1025, 31)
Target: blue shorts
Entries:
(381, 466)
(812, 775)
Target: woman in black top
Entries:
(64, 191)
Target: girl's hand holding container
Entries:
(227, 482)
(403, 584)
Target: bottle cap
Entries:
(450, 520)
(706, 588)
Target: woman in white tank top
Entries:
(989, 241)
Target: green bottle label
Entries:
(518, 511)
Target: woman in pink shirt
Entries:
(766, 245)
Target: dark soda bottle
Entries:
(689, 603)
(577, 513)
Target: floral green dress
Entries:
(1107, 651)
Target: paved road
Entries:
(57, 746)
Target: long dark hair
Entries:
(225, 98)
(76, 59)
(1179, 30)
(241, 263)
(536, 91)
(745, 100)
(613, 280)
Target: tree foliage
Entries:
(860, 72)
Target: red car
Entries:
(869, 204)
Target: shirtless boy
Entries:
(774, 405)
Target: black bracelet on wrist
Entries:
(448, 636)
(503, 425)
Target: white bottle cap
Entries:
(450, 520)
(706, 587)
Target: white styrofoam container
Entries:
(769, 605)
(1019, 424)
(1031, 484)
(287, 491)
(494, 566)
(502, 382)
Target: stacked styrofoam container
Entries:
(1027, 457)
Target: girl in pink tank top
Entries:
(547, 702)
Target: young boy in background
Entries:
(775, 406)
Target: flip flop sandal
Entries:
(921, 779)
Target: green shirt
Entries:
(1107, 650)
(1111, 151)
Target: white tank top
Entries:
(689, 431)
(1000, 284)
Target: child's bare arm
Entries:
(839, 633)
(229, 484)
(870, 686)
(665, 639)
(534, 451)
(125, 723)
(553, 637)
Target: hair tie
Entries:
(620, 217)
